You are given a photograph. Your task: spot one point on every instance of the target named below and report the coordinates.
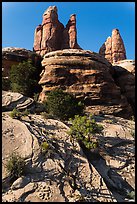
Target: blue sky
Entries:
(95, 22)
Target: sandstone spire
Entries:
(52, 35)
(113, 49)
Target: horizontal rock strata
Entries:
(87, 75)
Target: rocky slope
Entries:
(67, 172)
(13, 55)
(113, 49)
(52, 35)
(87, 75)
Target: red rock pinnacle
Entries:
(113, 49)
(52, 35)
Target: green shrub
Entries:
(131, 195)
(23, 78)
(16, 166)
(63, 105)
(44, 147)
(83, 128)
(15, 114)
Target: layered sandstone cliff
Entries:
(87, 75)
(51, 35)
(13, 56)
(113, 49)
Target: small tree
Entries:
(63, 105)
(23, 78)
(83, 128)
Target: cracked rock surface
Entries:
(66, 172)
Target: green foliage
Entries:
(131, 195)
(83, 128)
(16, 166)
(23, 78)
(17, 114)
(44, 147)
(63, 105)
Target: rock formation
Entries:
(11, 100)
(124, 76)
(113, 49)
(66, 173)
(88, 76)
(52, 35)
(14, 55)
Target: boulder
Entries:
(113, 49)
(52, 35)
(87, 75)
(11, 100)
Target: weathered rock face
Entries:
(88, 76)
(11, 100)
(13, 55)
(113, 49)
(65, 173)
(124, 76)
(52, 35)
(129, 65)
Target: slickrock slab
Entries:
(53, 176)
(11, 100)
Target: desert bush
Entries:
(83, 128)
(44, 147)
(15, 113)
(23, 78)
(63, 105)
(16, 166)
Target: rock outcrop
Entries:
(11, 100)
(51, 35)
(65, 173)
(88, 76)
(124, 76)
(13, 55)
(113, 49)
(127, 64)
